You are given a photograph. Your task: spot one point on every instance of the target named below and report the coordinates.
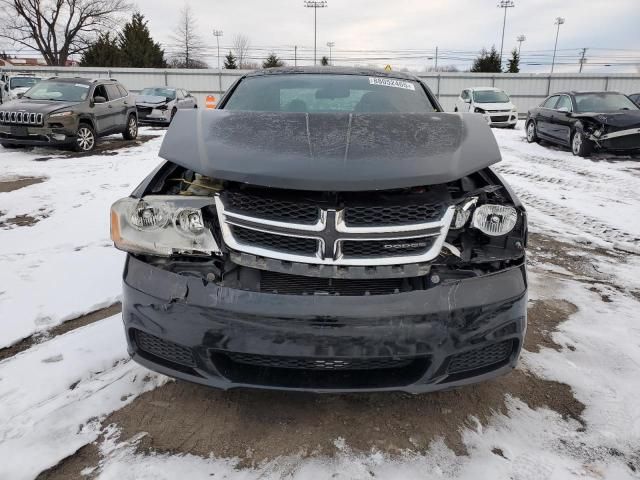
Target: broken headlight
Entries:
(162, 225)
(494, 220)
(462, 213)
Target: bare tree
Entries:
(188, 46)
(58, 28)
(241, 45)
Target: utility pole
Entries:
(505, 4)
(218, 34)
(295, 55)
(330, 45)
(315, 4)
(520, 39)
(583, 60)
(559, 21)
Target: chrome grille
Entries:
(331, 240)
(21, 118)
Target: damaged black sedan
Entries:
(587, 122)
(325, 230)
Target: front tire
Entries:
(173, 114)
(131, 131)
(532, 133)
(581, 146)
(85, 138)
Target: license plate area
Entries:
(19, 131)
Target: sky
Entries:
(405, 33)
(391, 29)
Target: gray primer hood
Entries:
(330, 151)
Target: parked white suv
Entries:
(492, 102)
(13, 86)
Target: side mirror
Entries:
(99, 99)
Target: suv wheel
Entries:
(85, 138)
(581, 146)
(532, 135)
(131, 132)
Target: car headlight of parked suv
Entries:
(478, 110)
(66, 113)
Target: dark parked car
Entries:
(68, 111)
(587, 121)
(158, 105)
(325, 229)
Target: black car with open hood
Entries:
(587, 122)
(326, 230)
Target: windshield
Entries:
(19, 82)
(169, 93)
(603, 102)
(58, 91)
(313, 93)
(490, 96)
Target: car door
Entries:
(191, 100)
(543, 119)
(561, 121)
(180, 100)
(101, 111)
(117, 106)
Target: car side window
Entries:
(180, 94)
(123, 91)
(550, 102)
(113, 91)
(465, 94)
(564, 102)
(100, 91)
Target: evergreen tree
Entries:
(514, 62)
(104, 52)
(137, 47)
(272, 61)
(324, 61)
(487, 61)
(230, 62)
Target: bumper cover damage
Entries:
(452, 334)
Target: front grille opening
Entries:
(268, 370)
(164, 350)
(360, 216)
(484, 358)
(271, 208)
(385, 248)
(285, 284)
(272, 241)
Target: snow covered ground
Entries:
(55, 396)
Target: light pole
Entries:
(330, 45)
(559, 21)
(520, 39)
(218, 34)
(315, 4)
(505, 4)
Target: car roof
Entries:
(83, 80)
(493, 89)
(333, 71)
(577, 92)
(164, 87)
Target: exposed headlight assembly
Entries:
(162, 225)
(494, 220)
(462, 213)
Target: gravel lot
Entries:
(73, 406)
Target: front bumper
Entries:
(506, 119)
(24, 135)
(205, 333)
(155, 116)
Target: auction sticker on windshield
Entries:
(391, 82)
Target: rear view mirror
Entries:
(333, 92)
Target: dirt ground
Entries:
(255, 426)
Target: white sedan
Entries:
(492, 102)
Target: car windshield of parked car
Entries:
(315, 93)
(20, 82)
(603, 102)
(169, 93)
(490, 96)
(58, 91)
